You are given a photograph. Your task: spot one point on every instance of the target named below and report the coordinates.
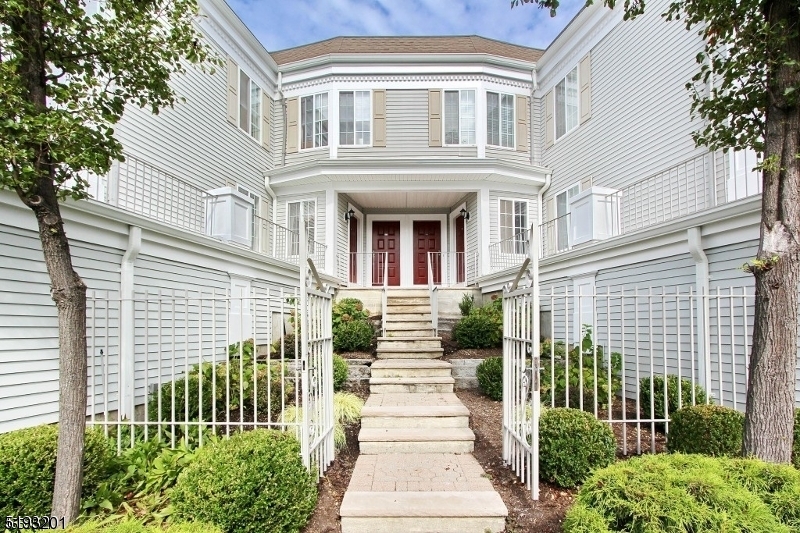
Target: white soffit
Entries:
(407, 200)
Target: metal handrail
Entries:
(385, 291)
(433, 294)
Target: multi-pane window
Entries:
(566, 105)
(562, 218)
(314, 121)
(513, 226)
(296, 210)
(354, 117)
(249, 106)
(743, 178)
(459, 117)
(500, 119)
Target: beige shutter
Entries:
(233, 90)
(266, 121)
(550, 209)
(549, 122)
(435, 117)
(379, 117)
(585, 80)
(586, 183)
(523, 129)
(292, 115)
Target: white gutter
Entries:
(702, 279)
(127, 333)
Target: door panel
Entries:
(427, 238)
(386, 238)
(461, 256)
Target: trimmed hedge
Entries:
(573, 443)
(676, 492)
(490, 377)
(134, 526)
(253, 482)
(482, 327)
(353, 336)
(340, 372)
(672, 395)
(28, 468)
(707, 429)
(796, 446)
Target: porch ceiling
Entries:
(407, 200)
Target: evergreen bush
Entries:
(340, 372)
(706, 429)
(131, 525)
(573, 443)
(673, 395)
(482, 328)
(253, 482)
(353, 336)
(490, 377)
(680, 493)
(28, 468)
(796, 446)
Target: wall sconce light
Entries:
(349, 214)
(464, 213)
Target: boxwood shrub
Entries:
(340, 372)
(796, 446)
(28, 468)
(672, 395)
(573, 443)
(253, 482)
(135, 526)
(677, 492)
(706, 429)
(490, 377)
(482, 327)
(353, 336)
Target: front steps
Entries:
(415, 471)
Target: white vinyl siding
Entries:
(500, 119)
(459, 117)
(294, 210)
(566, 105)
(354, 118)
(314, 121)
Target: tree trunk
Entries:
(770, 400)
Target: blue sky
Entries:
(280, 24)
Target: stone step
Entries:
(423, 512)
(408, 293)
(409, 317)
(400, 368)
(408, 341)
(408, 300)
(379, 385)
(416, 440)
(414, 322)
(410, 353)
(410, 332)
(393, 309)
(415, 417)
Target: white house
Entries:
(410, 158)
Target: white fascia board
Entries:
(587, 29)
(219, 20)
(406, 61)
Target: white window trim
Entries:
(556, 138)
(444, 117)
(578, 319)
(339, 118)
(314, 135)
(513, 147)
(238, 104)
(499, 214)
(286, 220)
(556, 216)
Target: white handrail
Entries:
(433, 296)
(385, 295)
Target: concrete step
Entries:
(409, 317)
(408, 300)
(408, 341)
(410, 332)
(401, 368)
(408, 293)
(423, 512)
(410, 353)
(394, 309)
(413, 322)
(411, 384)
(415, 417)
(416, 440)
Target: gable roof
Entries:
(462, 44)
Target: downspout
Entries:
(695, 241)
(126, 323)
(547, 179)
(274, 198)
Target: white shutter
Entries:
(549, 122)
(585, 80)
(233, 92)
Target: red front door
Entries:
(353, 250)
(386, 238)
(427, 238)
(461, 270)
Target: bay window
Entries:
(354, 118)
(459, 117)
(314, 121)
(500, 119)
(513, 226)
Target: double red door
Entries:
(427, 238)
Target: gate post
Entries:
(302, 310)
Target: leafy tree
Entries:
(66, 75)
(751, 64)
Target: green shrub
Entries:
(587, 365)
(466, 304)
(706, 429)
(680, 493)
(340, 372)
(796, 445)
(28, 468)
(482, 328)
(255, 481)
(490, 377)
(348, 310)
(573, 443)
(287, 342)
(352, 336)
(672, 403)
(131, 525)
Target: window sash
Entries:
(293, 223)
(314, 121)
(500, 119)
(355, 117)
(255, 111)
(513, 225)
(562, 220)
(459, 117)
(566, 104)
(244, 101)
